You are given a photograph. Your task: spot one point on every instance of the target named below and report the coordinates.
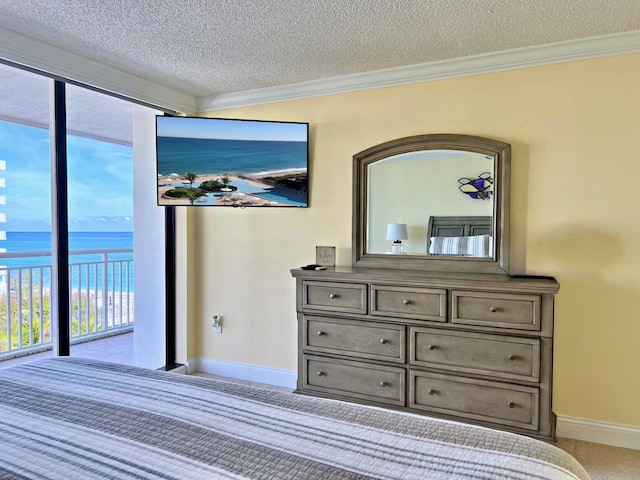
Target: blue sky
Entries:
(100, 181)
(219, 128)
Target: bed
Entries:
(72, 418)
(460, 235)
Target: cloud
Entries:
(114, 223)
(99, 178)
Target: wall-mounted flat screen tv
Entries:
(230, 162)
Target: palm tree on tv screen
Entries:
(192, 194)
(190, 177)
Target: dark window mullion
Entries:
(170, 286)
(59, 222)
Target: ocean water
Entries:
(215, 156)
(17, 242)
(41, 241)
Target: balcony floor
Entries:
(117, 349)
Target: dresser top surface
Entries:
(477, 281)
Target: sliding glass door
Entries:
(74, 195)
(116, 231)
(25, 207)
(100, 224)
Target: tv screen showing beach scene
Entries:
(205, 161)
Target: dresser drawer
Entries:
(335, 297)
(377, 383)
(405, 302)
(484, 354)
(504, 310)
(376, 341)
(495, 402)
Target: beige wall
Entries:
(575, 135)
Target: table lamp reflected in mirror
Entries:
(397, 232)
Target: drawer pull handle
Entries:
(431, 347)
(512, 357)
(320, 333)
(333, 295)
(320, 374)
(511, 405)
(493, 309)
(431, 391)
(383, 341)
(406, 301)
(383, 384)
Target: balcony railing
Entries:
(101, 300)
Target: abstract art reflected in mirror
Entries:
(412, 187)
(450, 191)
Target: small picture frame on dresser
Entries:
(326, 256)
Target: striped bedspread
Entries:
(81, 419)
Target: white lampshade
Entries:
(397, 231)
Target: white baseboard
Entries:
(243, 371)
(598, 432)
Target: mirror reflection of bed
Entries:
(409, 179)
(460, 236)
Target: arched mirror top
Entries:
(433, 202)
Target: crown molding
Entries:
(34, 54)
(37, 55)
(561, 52)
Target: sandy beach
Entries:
(168, 182)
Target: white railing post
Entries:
(19, 307)
(21, 338)
(105, 292)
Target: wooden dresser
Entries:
(469, 347)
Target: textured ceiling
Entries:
(210, 47)
(25, 99)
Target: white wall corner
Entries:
(243, 371)
(598, 432)
(148, 246)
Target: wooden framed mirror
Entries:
(446, 197)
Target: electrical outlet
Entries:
(216, 323)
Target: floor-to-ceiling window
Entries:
(99, 147)
(100, 189)
(25, 265)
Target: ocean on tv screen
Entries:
(238, 172)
